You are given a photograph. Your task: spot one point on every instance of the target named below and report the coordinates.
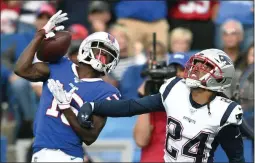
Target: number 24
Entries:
(198, 142)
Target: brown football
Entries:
(52, 49)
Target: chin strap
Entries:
(192, 83)
(97, 65)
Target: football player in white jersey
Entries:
(199, 115)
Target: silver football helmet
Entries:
(101, 51)
(215, 68)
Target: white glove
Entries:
(62, 97)
(52, 23)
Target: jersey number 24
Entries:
(197, 142)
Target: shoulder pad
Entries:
(167, 86)
(109, 92)
(225, 100)
(236, 116)
(163, 86)
(232, 115)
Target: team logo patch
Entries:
(111, 38)
(225, 59)
(239, 116)
(192, 111)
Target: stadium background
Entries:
(181, 27)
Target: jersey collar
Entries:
(195, 104)
(74, 69)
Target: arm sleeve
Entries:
(246, 130)
(127, 108)
(232, 143)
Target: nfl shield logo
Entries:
(192, 111)
(111, 38)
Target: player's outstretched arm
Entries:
(230, 137)
(127, 108)
(120, 108)
(231, 141)
(25, 67)
(246, 130)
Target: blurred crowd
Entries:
(182, 28)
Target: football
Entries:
(52, 49)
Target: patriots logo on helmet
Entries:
(225, 59)
(111, 38)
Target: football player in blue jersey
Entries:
(199, 115)
(58, 135)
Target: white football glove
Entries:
(52, 24)
(62, 97)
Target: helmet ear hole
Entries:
(222, 80)
(87, 59)
(219, 80)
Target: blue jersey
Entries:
(51, 128)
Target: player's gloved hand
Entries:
(85, 115)
(52, 23)
(62, 97)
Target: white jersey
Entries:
(190, 129)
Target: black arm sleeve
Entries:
(246, 130)
(231, 141)
(127, 108)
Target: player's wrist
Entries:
(64, 106)
(40, 33)
(47, 28)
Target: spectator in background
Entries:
(197, 16)
(178, 61)
(249, 56)
(245, 90)
(99, 16)
(43, 15)
(79, 33)
(21, 90)
(10, 10)
(77, 11)
(242, 11)
(28, 15)
(126, 59)
(246, 82)
(150, 129)
(142, 19)
(232, 36)
(140, 56)
(180, 40)
(132, 78)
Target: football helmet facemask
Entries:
(101, 51)
(210, 69)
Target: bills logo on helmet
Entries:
(111, 38)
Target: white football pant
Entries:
(54, 155)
